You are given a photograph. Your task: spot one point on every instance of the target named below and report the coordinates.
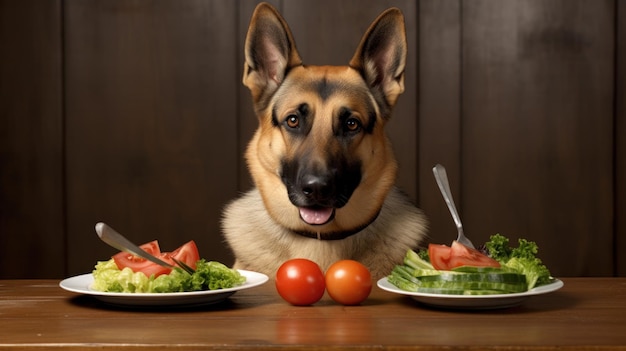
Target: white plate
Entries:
(81, 284)
(472, 301)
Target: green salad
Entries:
(209, 275)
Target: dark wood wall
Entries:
(133, 113)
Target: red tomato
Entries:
(443, 257)
(348, 282)
(187, 253)
(300, 282)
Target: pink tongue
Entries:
(316, 215)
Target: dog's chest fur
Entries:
(262, 245)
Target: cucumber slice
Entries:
(502, 277)
(471, 269)
(501, 287)
(458, 291)
(403, 283)
(404, 272)
(413, 260)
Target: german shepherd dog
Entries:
(323, 168)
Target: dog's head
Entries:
(320, 157)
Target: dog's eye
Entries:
(353, 125)
(292, 121)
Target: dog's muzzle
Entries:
(318, 194)
(314, 197)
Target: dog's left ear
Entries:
(381, 55)
(270, 51)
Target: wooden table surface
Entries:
(587, 313)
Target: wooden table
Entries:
(587, 313)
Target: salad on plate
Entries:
(126, 273)
(494, 269)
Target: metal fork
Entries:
(183, 265)
(118, 241)
(442, 180)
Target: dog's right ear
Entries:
(270, 52)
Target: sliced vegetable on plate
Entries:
(187, 253)
(460, 270)
(444, 257)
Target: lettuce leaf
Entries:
(522, 259)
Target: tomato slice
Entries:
(187, 253)
(443, 257)
(439, 256)
(138, 264)
(465, 256)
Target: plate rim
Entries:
(260, 279)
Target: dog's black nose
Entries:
(316, 188)
(326, 187)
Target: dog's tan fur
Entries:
(378, 223)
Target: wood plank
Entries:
(537, 128)
(248, 121)
(31, 140)
(620, 143)
(151, 120)
(439, 110)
